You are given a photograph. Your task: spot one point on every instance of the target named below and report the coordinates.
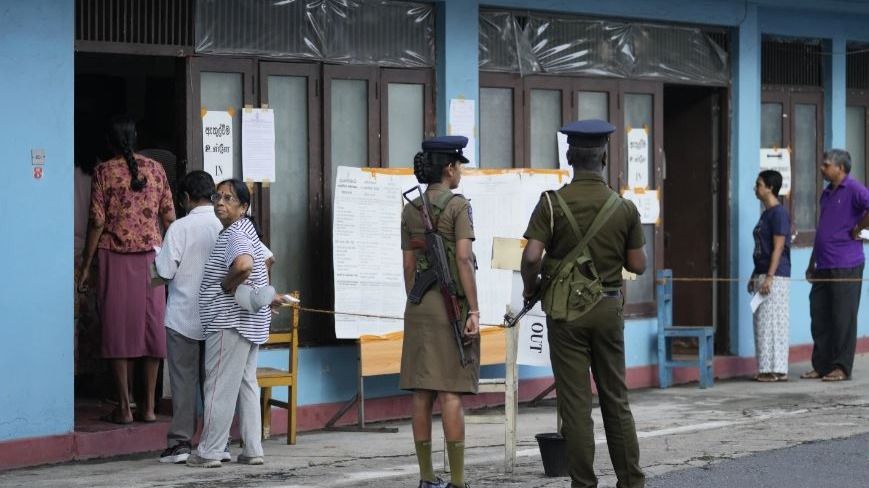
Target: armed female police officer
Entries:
(585, 223)
(430, 359)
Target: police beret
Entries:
(588, 133)
(447, 145)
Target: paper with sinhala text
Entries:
(258, 144)
(647, 204)
(367, 254)
(638, 158)
(778, 160)
(462, 122)
(217, 147)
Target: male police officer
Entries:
(583, 301)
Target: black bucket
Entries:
(553, 451)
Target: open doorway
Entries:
(147, 89)
(694, 210)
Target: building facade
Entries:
(712, 82)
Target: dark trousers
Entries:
(595, 341)
(834, 307)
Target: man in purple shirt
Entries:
(837, 255)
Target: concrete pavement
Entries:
(679, 428)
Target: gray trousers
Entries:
(186, 372)
(230, 377)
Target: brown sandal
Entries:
(835, 375)
(810, 375)
(767, 378)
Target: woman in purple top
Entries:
(772, 270)
(836, 269)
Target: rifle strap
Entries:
(602, 216)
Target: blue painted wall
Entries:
(36, 335)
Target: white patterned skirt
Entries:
(771, 324)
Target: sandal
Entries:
(767, 378)
(835, 375)
(810, 375)
(781, 376)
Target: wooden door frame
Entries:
(614, 111)
(656, 89)
(538, 82)
(311, 72)
(424, 77)
(860, 98)
(513, 82)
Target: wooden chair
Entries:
(666, 331)
(269, 378)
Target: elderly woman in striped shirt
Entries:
(232, 334)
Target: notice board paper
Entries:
(778, 160)
(217, 145)
(258, 144)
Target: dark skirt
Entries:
(132, 313)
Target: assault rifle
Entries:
(511, 319)
(439, 272)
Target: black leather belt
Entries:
(612, 294)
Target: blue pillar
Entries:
(457, 57)
(835, 93)
(745, 166)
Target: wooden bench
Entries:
(269, 378)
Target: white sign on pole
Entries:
(647, 204)
(638, 158)
(778, 160)
(217, 144)
(462, 122)
(258, 144)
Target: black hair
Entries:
(772, 179)
(587, 158)
(428, 167)
(243, 195)
(122, 139)
(839, 157)
(198, 185)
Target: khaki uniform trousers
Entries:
(595, 341)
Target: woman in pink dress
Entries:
(130, 200)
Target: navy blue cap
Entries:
(447, 145)
(588, 133)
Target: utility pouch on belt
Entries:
(573, 286)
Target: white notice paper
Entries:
(647, 204)
(638, 158)
(258, 144)
(778, 160)
(562, 153)
(217, 144)
(756, 300)
(462, 122)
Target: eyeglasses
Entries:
(226, 197)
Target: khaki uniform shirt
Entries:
(454, 222)
(585, 196)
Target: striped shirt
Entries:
(219, 310)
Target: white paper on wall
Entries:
(462, 122)
(647, 203)
(367, 255)
(778, 160)
(217, 147)
(258, 144)
(638, 158)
